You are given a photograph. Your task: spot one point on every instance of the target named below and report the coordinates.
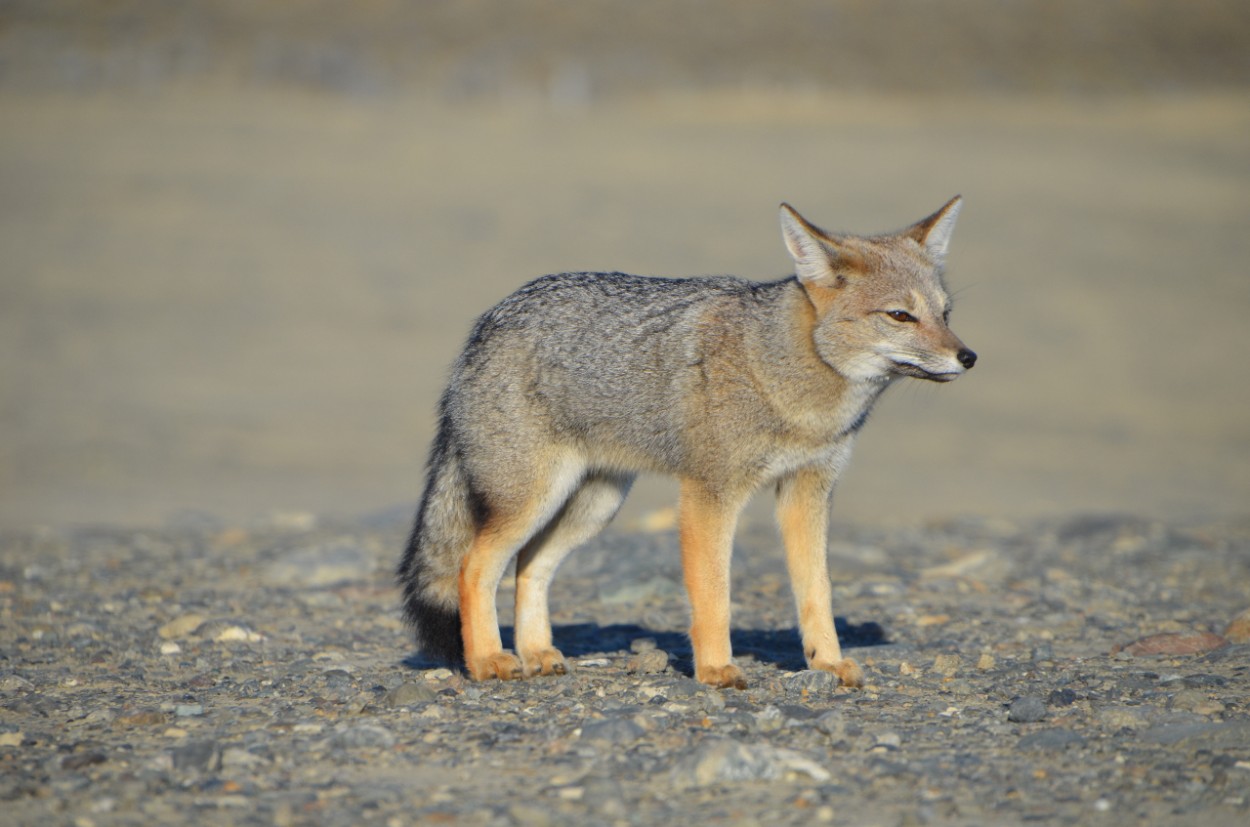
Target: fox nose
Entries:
(966, 358)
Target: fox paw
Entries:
(544, 662)
(503, 666)
(847, 670)
(722, 677)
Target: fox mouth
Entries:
(910, 369)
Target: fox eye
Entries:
(900, 316)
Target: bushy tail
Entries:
(430, 569)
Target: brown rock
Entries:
(1239, 630)
(1173, 643)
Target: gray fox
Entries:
(574, 384)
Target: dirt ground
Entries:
(233, 288)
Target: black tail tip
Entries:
(438, 632)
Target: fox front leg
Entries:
(803, 513)
(707, 525)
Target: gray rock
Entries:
(1027, 709)
(410, 693)
(1061, 697)
(720, 761)
(812, 681)
(1208, 735)
(648, 662)
(611, 731)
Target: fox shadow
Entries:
(781, 647)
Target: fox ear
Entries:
(934, 233)
(815, 254)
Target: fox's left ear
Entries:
(934, 233)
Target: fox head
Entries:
(881, 308)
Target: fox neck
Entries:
(807, 391)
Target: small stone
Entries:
(642, 644)
(149, 717)
(1123, 717)
(947, 665)
(82, 760)
(14, 683)
(224, 630)
(832, 723)
(612, 731)
(888, 741)
(986, 662)
(1238, 630)
(1172, 643)
(180, 627)
(811, 681)
(11, 739)
(1196, 701)
(722, 761)
(907, 670)
(769, 719)
(1061, 697)
(188, 710)
(1028, 709)
(648, 662)
(410, 693)
(169, 647)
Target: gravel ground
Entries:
(1090, 670)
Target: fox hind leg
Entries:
(591, 507)
(511, 524)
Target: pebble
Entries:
(722, 761)
(411, 693)
(1027, 709)
(614, 731)
(1238, 629)
(811, 682)
(181, 627)
(947, 665)
(648, 662)
(1173, 643)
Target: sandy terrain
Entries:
(236, 301)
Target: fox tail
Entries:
(429, 570)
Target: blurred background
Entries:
(241, 241)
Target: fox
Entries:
(573, 385)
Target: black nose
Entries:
(966, 357)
